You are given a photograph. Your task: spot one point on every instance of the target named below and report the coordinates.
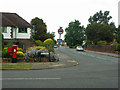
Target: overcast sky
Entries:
(56, 13)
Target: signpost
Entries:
(59, 40)
(60, 31)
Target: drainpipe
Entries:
(15, 31)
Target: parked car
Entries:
(55, 46)
(79, 48)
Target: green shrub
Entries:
(88, 42)
(37, 47)
(117, 47)
(63, 44)
(76, 45)
(49, 44)
(20, 54)
(20, 49)
(5, 54)
(38, 42)
(101, 43)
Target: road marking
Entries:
(97, 57)
(30, 78)
(58, 65)
(71, 61)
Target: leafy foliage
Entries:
(50, 35)
(117, 47)
(20, 49)
(101, 43)
(49, 43)
(40, 29)
(5, 54)
(88, 42)
(96, 32)
(39, 43)
(74, 33)
(37, 47)
(118, 35)
(20, 54)
(100, 17)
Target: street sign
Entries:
(59, 40)
(60, 31)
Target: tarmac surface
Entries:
(64, 62)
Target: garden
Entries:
(42, 52)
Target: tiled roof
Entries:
(13, 19)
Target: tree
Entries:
(100, 17)
(74, 33)
(97, 32)
(118, 34)
(50, 35)
(40, 29)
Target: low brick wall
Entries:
(102, 48)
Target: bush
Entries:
(48, 40)
(49, 44)
(5, 54)
(37, 47)
(117, 46)
(63, 44)
(38, 42)
(20, 54)
(88, 42)
(20, 49)
(76, 45)
(101, 43)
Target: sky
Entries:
(59, 13)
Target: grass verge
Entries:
(15, 66)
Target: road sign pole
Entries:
(59, 36)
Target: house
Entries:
(15, 29)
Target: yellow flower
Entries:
(37, 47)
(48, 40)
(19, 52)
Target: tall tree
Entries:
(96, 32)
(74, 33)
(100, 17)
(50, 35)
(40, 29)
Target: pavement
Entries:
(64, 62)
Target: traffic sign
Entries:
(60, 31)
(59, 40)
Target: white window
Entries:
(4, 29)
(22, 30)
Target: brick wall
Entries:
(102, 48)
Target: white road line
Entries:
(97, 57)
(30, 78)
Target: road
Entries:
(94, 71)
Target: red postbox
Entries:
(13, 49)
